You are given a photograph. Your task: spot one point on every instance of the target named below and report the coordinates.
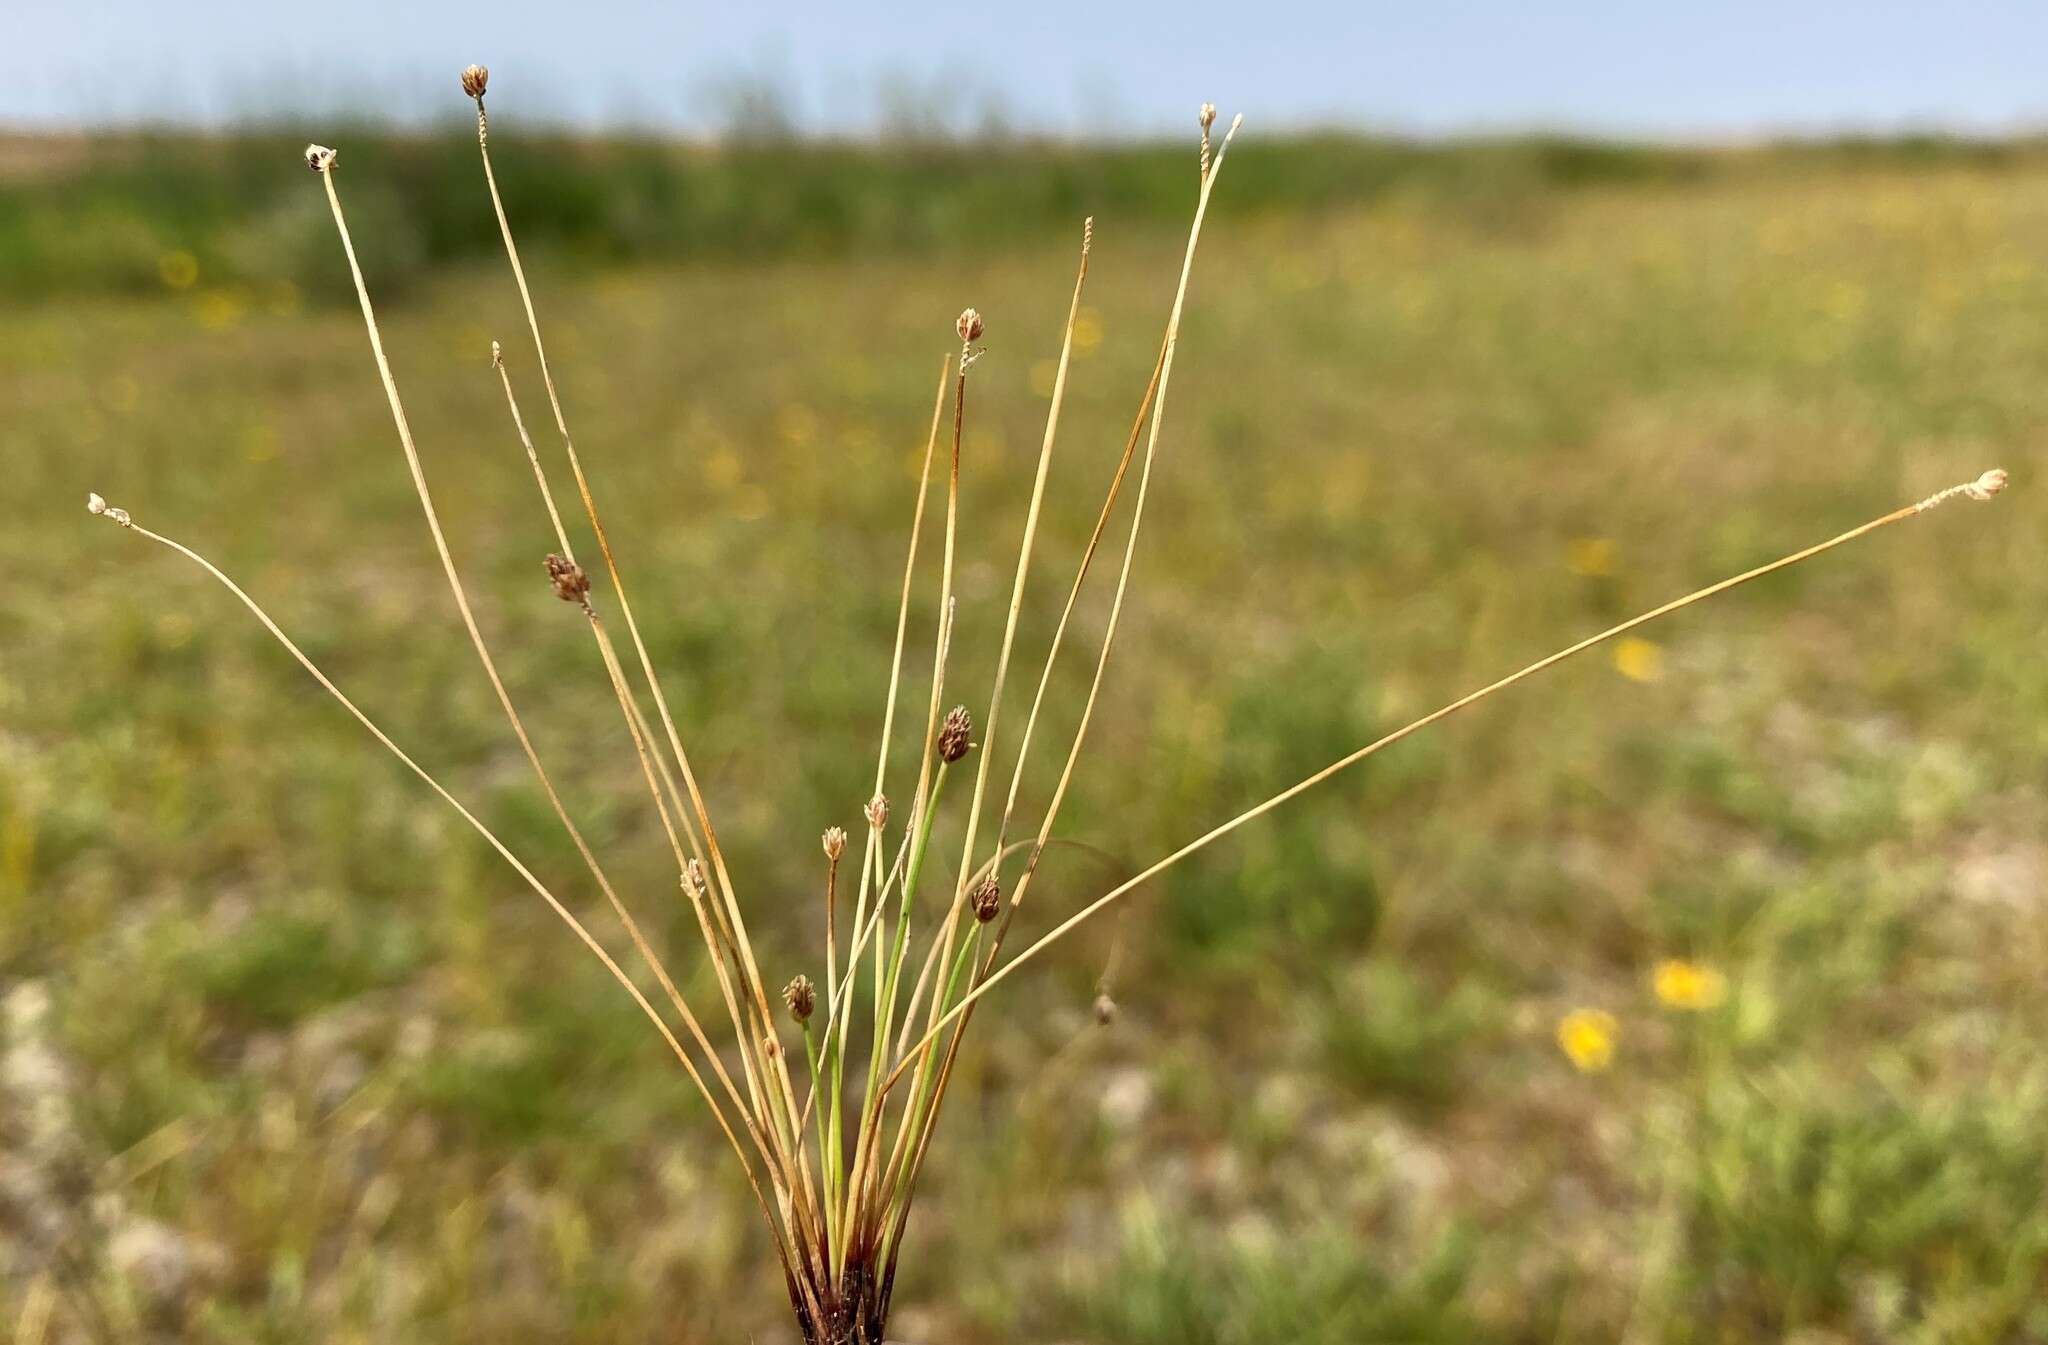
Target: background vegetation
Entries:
(289, 1057)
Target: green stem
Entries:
(922, 1083)
(824, 1150)
(918, 845)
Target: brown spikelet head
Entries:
(693, 880)
(970, 326)
(319, 158)
(474, 78)
(571, 584)
(954, 734)
(835, 843)
(877, 810)
(986, 897)
(801, 997)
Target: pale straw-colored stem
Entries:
(986, 748)
(654, 769)
(1211, 169)
(872, 1120)
(870, 864)
(1983, 488)
(889, 968)
(475, 632)
(1059, 632)
(750, 969)
(518, 866)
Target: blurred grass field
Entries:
(290, 1057)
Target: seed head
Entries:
(693, 880)
(1987, 485)
(1105, 1010)
(954, 734)
(474, 78)
(970, 326)
(94, 504)
(1207, 116)
(835, 843)
(987, 898)
(319, 158)
(877, 811)
(1983, 488)
(571, 584)
(801, 997)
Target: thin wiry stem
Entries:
(469, 622)
(1059, 633)
(871, 852)
(940, 953)
(649, 762)
(749, 966)
(986, 748)
(1981, 489)
(1211, 170)
(723, 878)
(888, 975)
(518, 866)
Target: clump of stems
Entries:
(834, 1168)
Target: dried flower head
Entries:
(877, 810)
(94, 504)
(970, 326)
(801, 997)
(1207, 116)
(954, 734)
(835, 843)
(1983, 488)
(1987, 485)
(319, 158)
(474, 78)
(571, 584)
(693, 880)
(986, 897)
(1105, 1009)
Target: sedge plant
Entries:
(829, 1095)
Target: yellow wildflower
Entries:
(217, 309)
(1590, 557)
(1638, 660)
(1087, 332)
(1043, 372)
(1587, 1037)
(179, 269)
(797, 425)
(1688, 985)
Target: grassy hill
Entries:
(102, 214)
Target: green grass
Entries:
(311, 1023)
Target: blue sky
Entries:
(1722, 71)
